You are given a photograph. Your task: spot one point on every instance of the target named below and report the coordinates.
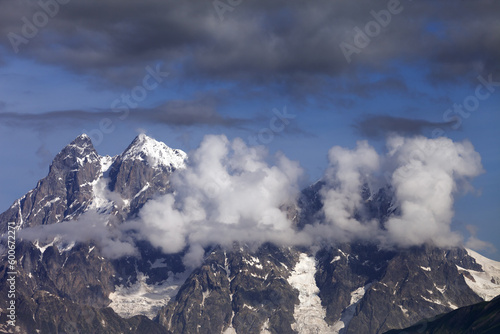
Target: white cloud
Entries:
(227, 193)
(428, 174)
(91, 226)
(348, 171)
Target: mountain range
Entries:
(76, 272)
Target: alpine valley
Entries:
(82, 286)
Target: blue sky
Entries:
(230, 71)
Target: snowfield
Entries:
(309, 314)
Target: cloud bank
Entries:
(231, 192)
(197, 112)
(253, 40)
(383, 126)
(89, 227)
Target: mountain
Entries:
(481, 318)
(86, 285)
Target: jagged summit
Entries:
(81, 143)
(83, 137)
(76, 154)
(155, 153)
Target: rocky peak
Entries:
(75, 155)
(65, 192)
(143, 170)
(154, 153)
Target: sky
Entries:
(293, 76)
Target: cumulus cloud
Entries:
(427, 175)
(348, 171)
(423, 176)
(228, 193)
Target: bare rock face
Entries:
(372, 291)
(57, 276)
(64, 193)
(238, 289)
(143, 170)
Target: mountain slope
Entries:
(58, 275)
(481, 318)
(77, 271)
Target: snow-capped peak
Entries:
(154, 152)
(82, 141)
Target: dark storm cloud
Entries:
(262, 41)
(175, 113)
(380, 126)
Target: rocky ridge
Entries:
(341, 288)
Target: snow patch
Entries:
(142, 190)
(265, 328)
(335, 259)
(486, 284)
(309, 314)
(425, 268)
(101, 201)
(106, 162)
(440, 289)
(42, 249)
(436, 301)
(55, 200)
(348, 313)
(229, 330)
(142, 298)
(405, 311)
(253, 261)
